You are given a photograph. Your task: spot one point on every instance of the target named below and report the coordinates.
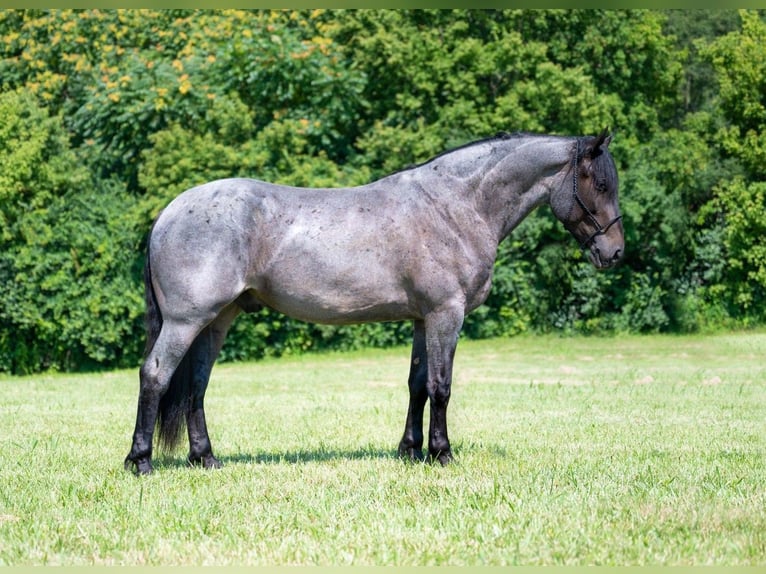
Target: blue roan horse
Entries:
(417, 245)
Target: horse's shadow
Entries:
(288, 457)
(308, 456)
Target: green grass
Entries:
(620, 451)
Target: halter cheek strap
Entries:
(600, 230)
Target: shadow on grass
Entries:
(323, 454)
(306, 456)
(289, 457)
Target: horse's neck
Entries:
(523, 178)
(502, 179)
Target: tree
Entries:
(105, 115)
(69, 297)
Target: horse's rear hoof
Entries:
(211, 462)
(207, 461)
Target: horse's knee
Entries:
(153, 383)
(439, 393)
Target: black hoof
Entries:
(443, 457)
(206, 461)
(411, 454)
(139, 467)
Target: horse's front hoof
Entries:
(139, 467)
(411, 454)
(443, 457)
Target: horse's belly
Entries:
(338, 295)
(349, 315)
(334, 308)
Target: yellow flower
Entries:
(184, 85)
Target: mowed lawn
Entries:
(617, 451)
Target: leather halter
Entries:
(600, 230)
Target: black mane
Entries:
(499, 136)
(603, 169)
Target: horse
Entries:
(417, 245)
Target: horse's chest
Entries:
(454, 268)
(479, 287)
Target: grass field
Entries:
(619, 451)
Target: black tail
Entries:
(175, 404)
(153, 317)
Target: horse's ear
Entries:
(607, 138)
(598, 144)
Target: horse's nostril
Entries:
(617, 255)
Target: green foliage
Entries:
(35, 160)
(70, 298)
(282, 73)
(691, 29)
(75, 301)
(436, 78)
(741, 207)
(643, 309)
(739, 59)
(738, 205)
(106, 115)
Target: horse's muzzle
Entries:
(605, 257)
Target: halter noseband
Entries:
(599, 229)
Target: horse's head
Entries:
(587, 203)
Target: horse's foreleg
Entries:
(442, 330)
(205, 350)
(411, 445)
(155, 375)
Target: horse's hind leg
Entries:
(204, 352)
(411, 445)
(155, 375)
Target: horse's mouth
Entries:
(600, 262)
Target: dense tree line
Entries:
(106, 115)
